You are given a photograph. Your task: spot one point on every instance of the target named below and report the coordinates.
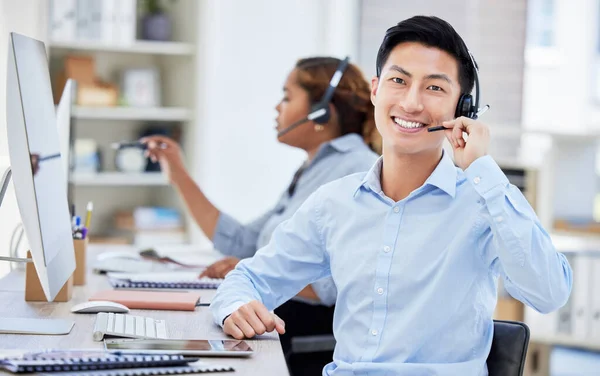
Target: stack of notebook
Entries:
(176, 280)
(98, 363)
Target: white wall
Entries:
(247, 50)
(559, 81)
(25, 17)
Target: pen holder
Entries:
(33, 287)
(80, 246)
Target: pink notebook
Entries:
(160, 300)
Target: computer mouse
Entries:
(99, 306)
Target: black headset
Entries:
(319, 112)
(467, 106)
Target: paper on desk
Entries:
(132, 266)
(157, 277)
(188, 254)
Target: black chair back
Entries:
(509, 348)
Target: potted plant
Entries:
(156, 23)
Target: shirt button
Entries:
(396, 209)
(380, 291)
(499, 219)
(386, 249)
(374, 332)
(477, 180)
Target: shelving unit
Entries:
(110, 189)
(132, 113)
(139, 47)
(567, 341)
(119, 179)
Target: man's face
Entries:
(418, 87)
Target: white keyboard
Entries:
(128, 326)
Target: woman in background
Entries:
(342, 146)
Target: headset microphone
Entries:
(320, 113)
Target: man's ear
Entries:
(374, 87)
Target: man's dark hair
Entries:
(432, 32)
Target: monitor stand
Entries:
(25, 325)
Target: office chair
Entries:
(509, 348)
(506, 358)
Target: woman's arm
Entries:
(168, 153)
(202, 210)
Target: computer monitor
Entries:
(65, 134)
(37, 168)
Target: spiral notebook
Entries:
(103, 363)
(178, 280)
(198, 367)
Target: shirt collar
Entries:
(442, 177)
(347, 142)
(342, 144)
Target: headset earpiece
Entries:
(465, 106)
(320, 113)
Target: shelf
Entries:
(132, 113)
(139, 47)
(119, 179)
(568, 242)
(567, 341)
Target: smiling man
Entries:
(415, 246)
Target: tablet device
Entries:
(217, 347)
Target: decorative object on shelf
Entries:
(99, 95)
(141, 87)
(87, 156)
(151, 226)
(156, 22)
(91, 91)
(130, 159)
(111, 22)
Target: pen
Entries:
(481, 111)
(134, 144)
(88, 215)
(49, 157)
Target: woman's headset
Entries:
(319, 112)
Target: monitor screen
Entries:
(63, 125)
(37, 168)
(42, 140)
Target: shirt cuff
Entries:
(486, 177)
(224, 232)
(326, 291)
(223, 313)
